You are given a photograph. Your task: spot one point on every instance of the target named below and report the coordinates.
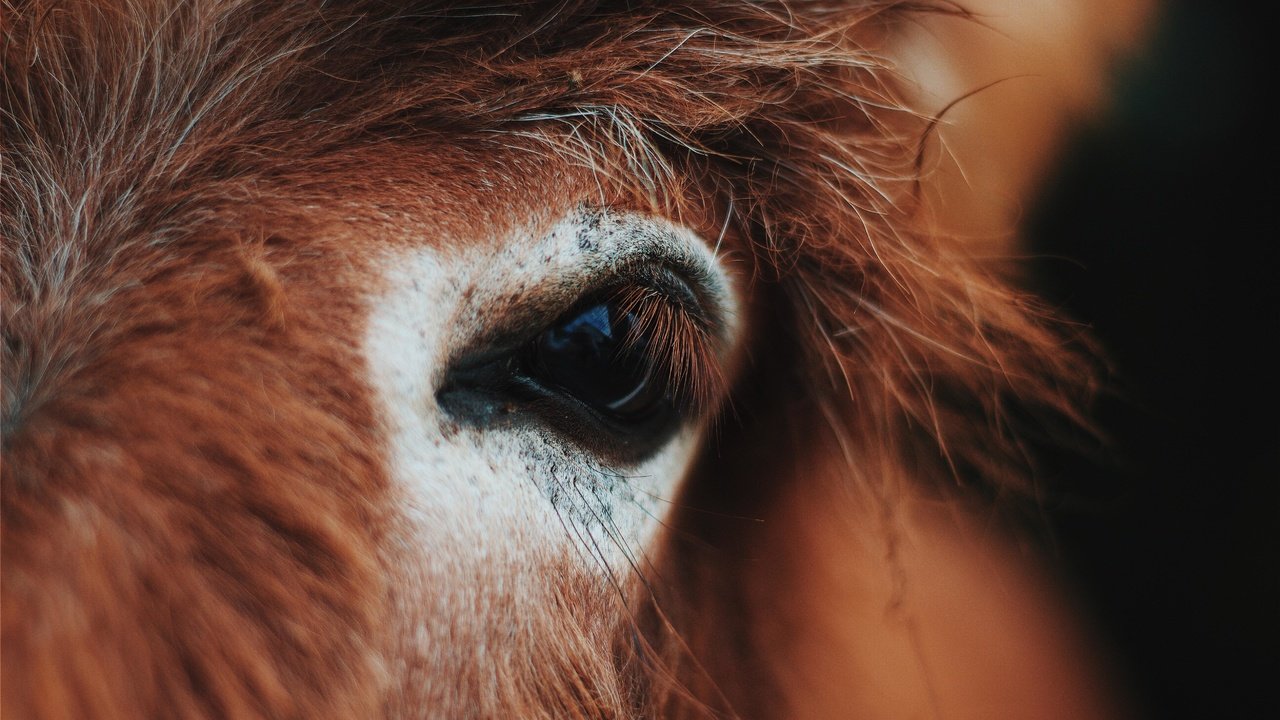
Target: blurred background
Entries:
(1123, 150)
(1158, 228)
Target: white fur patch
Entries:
(478, 501)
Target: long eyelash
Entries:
(681, 347)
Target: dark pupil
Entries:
(590, 355)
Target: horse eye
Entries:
(595, 355)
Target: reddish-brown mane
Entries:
(175, 177)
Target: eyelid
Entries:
(530, 314)
(480, 385)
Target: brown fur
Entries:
(193, 487)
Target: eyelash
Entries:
(636, 359)
(647, 331)
(683, 350)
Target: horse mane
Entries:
(880, 354)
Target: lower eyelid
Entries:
(583, 426)
(622, 423)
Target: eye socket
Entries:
(601, 355)
(617, 372)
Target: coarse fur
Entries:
(198, 510)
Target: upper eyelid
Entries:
(675, 288)
(534, 311)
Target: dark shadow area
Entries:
(1160, 232)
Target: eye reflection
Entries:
(597, 355)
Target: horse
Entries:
(516, 359)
